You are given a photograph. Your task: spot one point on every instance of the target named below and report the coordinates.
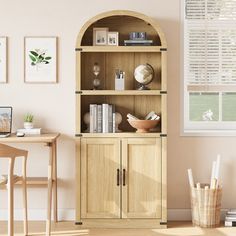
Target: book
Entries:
(93, 118)
(110, 119)
(230, 223)
(99, 129)
(105, 118)
(30, 131)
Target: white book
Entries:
(95, 118)
(105, 118)
(99, 129)
(91, 113)
(113, 122)
(30, 131)
(230, 223)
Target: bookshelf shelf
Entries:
(121, 93)
(100, 156)
(121, 49)
(119, 135)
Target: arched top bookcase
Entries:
(123, 22)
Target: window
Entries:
(209, 65)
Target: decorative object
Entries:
(40, 59)
(96, 71)
(113, 38)
(28, 121)
(118, 120)
(119, 80)
(143, 126)
(100, 36)
(144, 75)
(3, 59)
(137, 35)
(87, 121)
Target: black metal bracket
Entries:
(78, 223)
(163, 92)
(78, 92)
(163, 135)
(163, 49)
(163, 223)
(78, 135)
(79, 49)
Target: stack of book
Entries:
(230, 218)
(138, 42)
(102, 118)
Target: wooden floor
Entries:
(68, 228)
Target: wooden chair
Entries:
(10, 179)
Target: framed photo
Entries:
(113, 38)
(100, 36)
(40, 59)
(3, 59)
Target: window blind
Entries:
(210, 44)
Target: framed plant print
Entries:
(3, 59)
(40, 59)
(100, 36)
(113, 38)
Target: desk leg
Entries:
(50, 172)
(54, 183)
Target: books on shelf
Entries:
(230, 218)
(30, 131)
(138, 42)
(102, 118)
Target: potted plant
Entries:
(28, 121)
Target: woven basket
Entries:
(206, 204)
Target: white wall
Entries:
(54, 104)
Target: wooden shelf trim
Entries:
(118, 135)
(121, 49)
(116, 92)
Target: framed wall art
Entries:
(3, 59)
(40, 59)
(100, 36)
(113, 38)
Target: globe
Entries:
(144, 75)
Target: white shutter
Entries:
(209, 44)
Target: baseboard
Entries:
(185, 214)
(69, 214)
(39, 214)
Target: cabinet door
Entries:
(141, 174)
(100, 190)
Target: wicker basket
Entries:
(206, 204)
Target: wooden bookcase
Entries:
(121, 177)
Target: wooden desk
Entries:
(49, 140)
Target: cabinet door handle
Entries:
(123, 177)
(118, 177)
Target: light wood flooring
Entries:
(68, 228)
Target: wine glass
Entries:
(96, 71)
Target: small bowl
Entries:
(143, 126)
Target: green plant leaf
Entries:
(41, 57)
(46, 62)
(48, 58)
(32, 58)
(33, 64)
(34, 53)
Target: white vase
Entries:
(28, 125)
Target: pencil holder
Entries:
(206, 204)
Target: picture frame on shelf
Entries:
(3, 59)
(100, 36)
(113, 38)
(40, 59)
